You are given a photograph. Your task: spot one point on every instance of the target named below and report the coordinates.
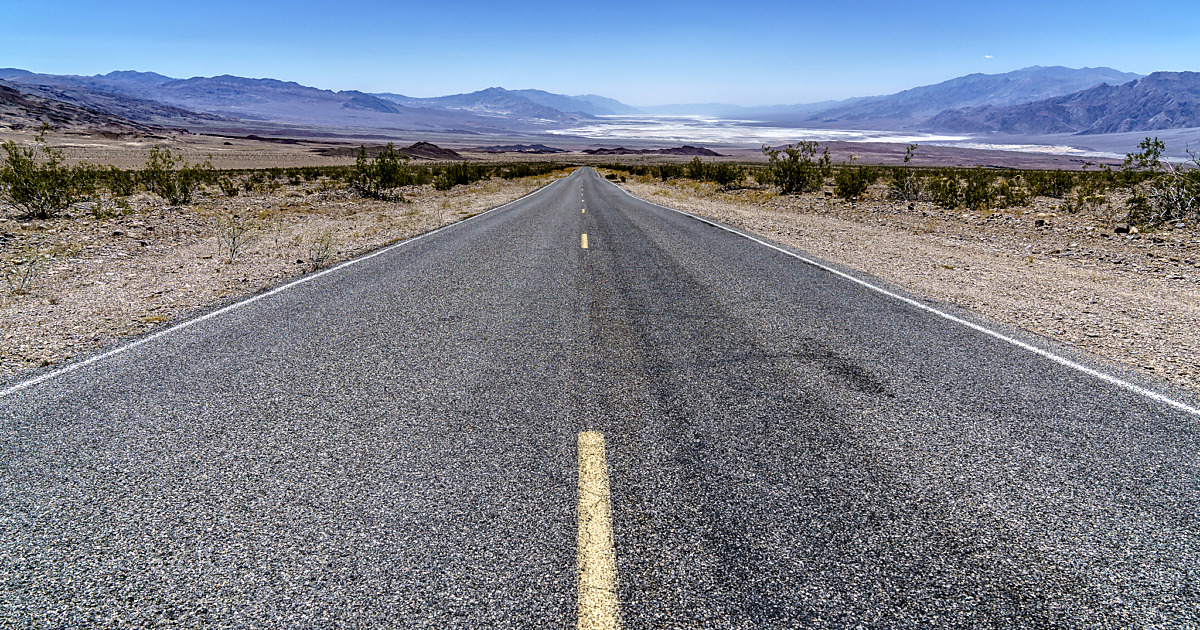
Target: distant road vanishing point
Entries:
(585, 410)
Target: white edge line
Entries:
(252, 299)
(1108, 378)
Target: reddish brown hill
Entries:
(683, 150)
(418, 150)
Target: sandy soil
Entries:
(1131, 298)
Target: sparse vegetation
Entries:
(1173, 193)
(851, 182)
(320, 250)
(20, 270)
(460, 174)
(796, 169)
(35, 179)
(171, 177)
(120, 182)
(234, 232)
(905, 183)
(378, 178)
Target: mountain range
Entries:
(1163, 100)
(1034, 100)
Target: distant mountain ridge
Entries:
(1162, 100)
(21, 111)
(158, 99)
(1035, 100)
(1009, 88)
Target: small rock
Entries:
(1039, 222)
(118, 233)
(1121, 229)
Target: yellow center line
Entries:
(584, 241)
(597, 559)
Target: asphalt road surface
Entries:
(393, 443)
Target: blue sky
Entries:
(748, 52)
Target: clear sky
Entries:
(747, 52)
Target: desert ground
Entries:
(111, 269)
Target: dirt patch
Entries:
(1133, 298)
(123, 267)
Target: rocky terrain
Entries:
(1163, 100)
(20, 111)
(917, 104)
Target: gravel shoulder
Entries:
(146, 264)
(1133, 298)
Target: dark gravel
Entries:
(392, 445)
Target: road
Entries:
(395, 442)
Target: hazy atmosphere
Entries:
(641, 53)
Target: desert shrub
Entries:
(228, 185)
(172, 178)
(377, 178)
(253, 182)
(234, 233)
(852, 182)
(668, 171)
(35, 180)
(1009, 193)
(904, 182)
(19, 271)
(120, 182)
(977, 192)
(795, 170)
(943, 188)
(1172, 193)
(726, 175)
(696, 169)
(764, 176)
(460, 174)
(1056, 184)
(321, 249)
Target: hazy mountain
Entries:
(531, 104)
(693, 109)
(974, 90)
(199, 101)
(20, 111)
(726, 110)
(605, 106)
(87, 95)
(501, 103)
(1163, 100)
